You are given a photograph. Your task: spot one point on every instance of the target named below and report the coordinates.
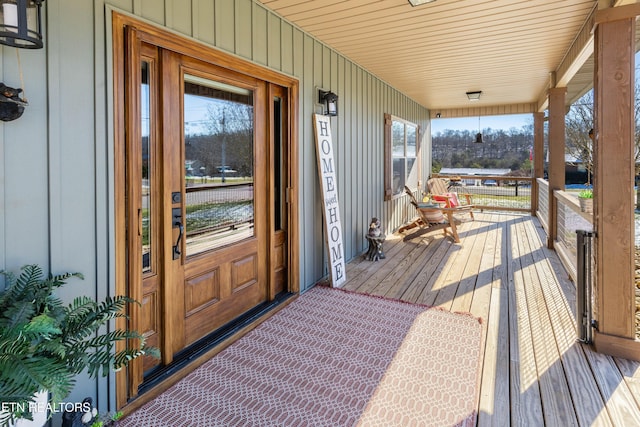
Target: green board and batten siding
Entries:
(57, 160)
(64, 136)
(56, 175)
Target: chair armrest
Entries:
(467, 196)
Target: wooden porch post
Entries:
(613, 181)
(556, 155)
(538, 158)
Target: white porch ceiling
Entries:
(438, 51)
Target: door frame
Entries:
(124, 28)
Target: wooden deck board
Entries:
(584, 390)
(526, 405)
(554, 391)
(533, 372)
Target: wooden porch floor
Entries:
(534, 372)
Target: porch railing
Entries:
(494, 192)
(543, 203)
(570, 218)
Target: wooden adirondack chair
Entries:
(440, 193)
(432, 218)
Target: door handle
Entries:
(176, 213)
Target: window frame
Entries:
(389, 120)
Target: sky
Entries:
(504, 122)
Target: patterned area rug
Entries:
(334, 358)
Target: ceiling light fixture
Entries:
(474, 95)
(415, 3)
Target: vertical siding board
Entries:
(378, 147)
(203, 16)
(128, 5)
(259, 35)
(72, 142)
(287, 51)
(311, 225)
(298, 57)
(243, 34)
(298, 71)
(224, 15)
(342, 150)
(319, 74)
(72, 145)
(366, 142)
(360, 154)
(274, 42)
(354, 156)
(336, 128)
(179, 15)
(25, 236)
(151, 10)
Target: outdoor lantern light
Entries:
(330, 102)
(21, 23)
(474, 96)
(479, 134)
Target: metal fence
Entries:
(569, 219)
(215, 207)
(494, 192)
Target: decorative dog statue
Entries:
(374, 228)
(375, 244)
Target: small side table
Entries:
(375, 251)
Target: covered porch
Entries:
(534, 371)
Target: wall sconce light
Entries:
(438, 115)
(474, 95)
(330, 102)
(415, 3)
(21, 23)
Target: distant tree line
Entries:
(500, 149)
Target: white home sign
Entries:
(328, 184)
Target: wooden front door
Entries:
(206, 206)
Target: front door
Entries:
(205, 170)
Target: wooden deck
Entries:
(534, 372)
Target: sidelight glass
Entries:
(278, 165)
(146, 171)
(218, 165)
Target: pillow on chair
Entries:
(451, 199)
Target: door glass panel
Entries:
(146, 169)
(278, 168)
(218, 139)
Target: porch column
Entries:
(556, 155)
(538, 158)
(614, 180)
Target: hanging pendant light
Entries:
(479, 134)
(21, 23)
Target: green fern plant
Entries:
(45, 344)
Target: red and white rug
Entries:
(334, 358)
